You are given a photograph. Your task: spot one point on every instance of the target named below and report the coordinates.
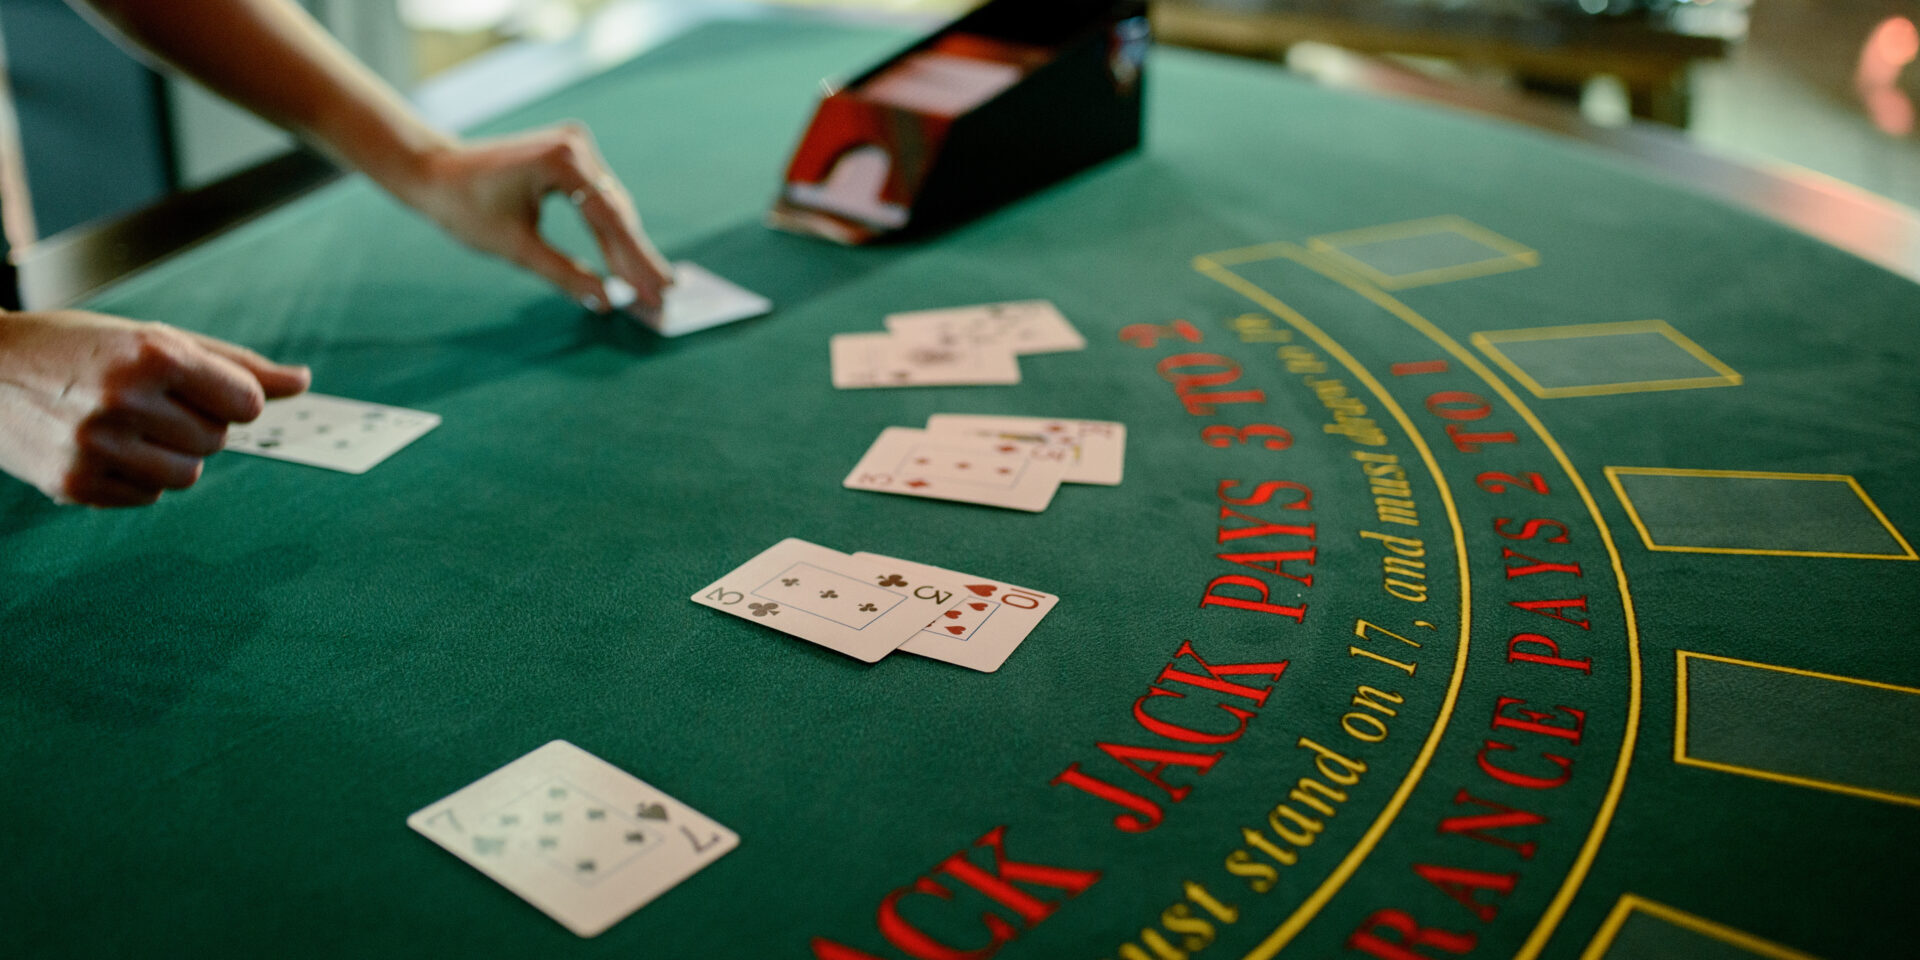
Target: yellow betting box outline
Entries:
(1724, 376)
(1509, 255)
(1680, 755)
(1613, 478)
(1629, 903)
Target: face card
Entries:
(698, 299)
(1099, 447)
(863, 608)
(980, 631)
(862, 360)
(1018, 476)
(1022, 326)
(332, 432)
(572, 834)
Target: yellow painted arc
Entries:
(1311, 906)
(1557, 908)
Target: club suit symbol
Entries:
(764, 609)
(790, 581)
(893, 580)
(828, 594)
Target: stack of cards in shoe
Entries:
(1012, 462)
(952, 347)
(574, 835)
(698, 299)
(867, 606)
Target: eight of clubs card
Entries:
(915, 463)
(1099, 446)
(980, 631)
(863, 608)
(332, 432)
(572, 834)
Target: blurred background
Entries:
(1823, 90)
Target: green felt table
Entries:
(1581, 535)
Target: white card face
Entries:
(980, 631)
(1099, 447)
(862, 360)
(698, 299)
(1023, 326)
(332, 432)
(863, 608)
(1018, 476)
(572, 834)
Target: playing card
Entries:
(1098, 447)
(1019, 476)
(572, 834)
(980, 631)
(697, 300)
(863, 608)
(881, 360)
(1022, 326)
(940, 83)
(350, 436)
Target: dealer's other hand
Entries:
(111, 413)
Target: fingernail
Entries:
(593, 303)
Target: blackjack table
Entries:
(1513, 559)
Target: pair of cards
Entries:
(699, 299)
(952, 347)
(1012, 462)
(350, 436)
(576, 836)
(866, 605)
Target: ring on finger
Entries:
(601, 185)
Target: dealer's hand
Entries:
(109, 412)
(488, 195)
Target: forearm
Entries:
(270, 57)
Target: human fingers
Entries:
(577, 169)
(571, 276)
(276, 379)
(107, 491)
(202, 379)
(165, 422)
(127, 457)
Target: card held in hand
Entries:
(863, 608)
(983, 628)
(350, 436)
(699, 299)
(576, 836)
(914, 463)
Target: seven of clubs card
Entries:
(331, 432)
(980, 631)
(915, 463)
(572, 834)
(1099, 447)
(863, 607)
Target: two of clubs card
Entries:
(866, 605)
(1012, 462)
(955, 346)
(574, 835)
(350, 436)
